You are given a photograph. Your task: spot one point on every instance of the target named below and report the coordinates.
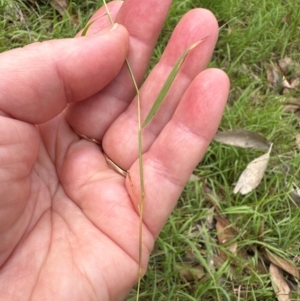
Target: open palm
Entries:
(68, 221)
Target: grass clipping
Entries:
(159, 100)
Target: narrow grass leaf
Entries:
(261, 231)
(86, 28)
(253, 174)
(279, 284)
(163, 92)
(282, 263)
(141, 168)
(243, 138)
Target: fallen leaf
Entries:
(191, 273)
(190, 269)
(232, 248)
(194, 178)
(295, 194)
(60, 5)
(285, 83)
(209, 222)
(285, 63)
(243, 138)
(290, 108)
(295, 83)
(237, 292)
(253, 174)
(226, 233)
(298, 140)
(293, 101)
(285, 18)
(189, 257)
(279, 284)
(296, 198)
(217, 261)
(274, 75)
(282, 263)
(293, 285)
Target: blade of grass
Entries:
(86, 28)
(141, 168)
(152, 112)
(163, 92)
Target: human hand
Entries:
(68, 226)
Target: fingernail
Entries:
(106, 29)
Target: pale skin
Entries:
(68, 221)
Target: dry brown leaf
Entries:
(285, 63)
(295, 195)
(297, 138)
(296, 198)
(191, 273)
(295, 83)
(218, 261)
(226, 233)
(290, 108)
(209, 222)
(229, 30)
(274, 75)
(194, 178)
(285, 83)
(253, 174)
(243, 138)
(293, 101)
(190, 269)
(60, 5)
(284, 264)
(279, 284)
(233, 248)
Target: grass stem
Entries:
(140, 154)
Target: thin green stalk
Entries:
(141, 168)
(141, 206)
(149, 117)
(108, 13)
(168, 83)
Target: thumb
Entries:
(37, 81)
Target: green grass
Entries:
(262, 32)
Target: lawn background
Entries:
(259, 34)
